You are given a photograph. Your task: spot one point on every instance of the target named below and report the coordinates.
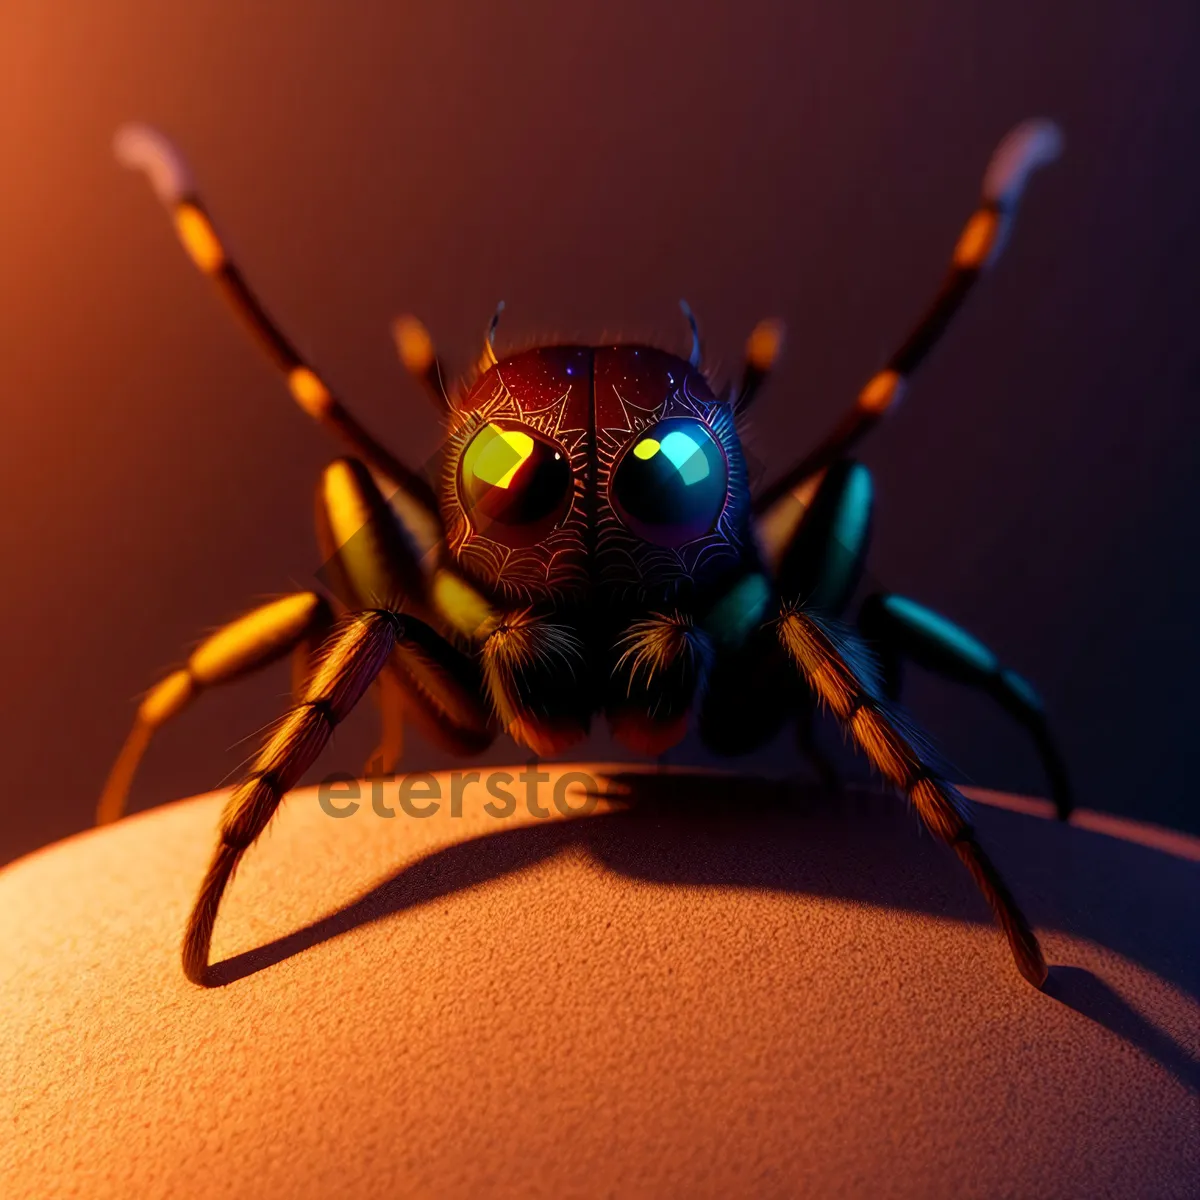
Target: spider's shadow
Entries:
(717, 831)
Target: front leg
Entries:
(354, 657)
(840, 674)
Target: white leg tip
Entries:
(1031, 145)
(144, 148)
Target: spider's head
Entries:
(577, 469)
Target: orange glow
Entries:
(461, 605)
(881, 392)
(243, 641)
(348, 513)
(309, 392)
(360, 539)
(199, 238)
(413, 344)
(764, 344)
(977, 239)
(166, 699)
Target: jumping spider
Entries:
(593, 544)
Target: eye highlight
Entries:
(669, 486)
(515, 484)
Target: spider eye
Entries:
(669, 486)
(515, 485)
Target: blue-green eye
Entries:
(669, 485)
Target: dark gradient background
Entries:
(590, 163)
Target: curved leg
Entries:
(253, 641)
(900, 629)
(364, 645)
(842, 677)
(356, 655)
(1027, 147)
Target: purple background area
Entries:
(590, 163)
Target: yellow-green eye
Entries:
(669, 487)
(515, 484)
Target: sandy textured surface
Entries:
(802, 998)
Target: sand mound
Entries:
(801, 998)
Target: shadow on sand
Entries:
(704, 829)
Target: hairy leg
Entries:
(836, 669)
(440, 690)
(355, 656)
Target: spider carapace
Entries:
(589, 544)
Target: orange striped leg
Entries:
(356, 654)
(146, 149)
(1029, 146)
(833, 666)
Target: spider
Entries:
(591, 544)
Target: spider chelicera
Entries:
(592, 544)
